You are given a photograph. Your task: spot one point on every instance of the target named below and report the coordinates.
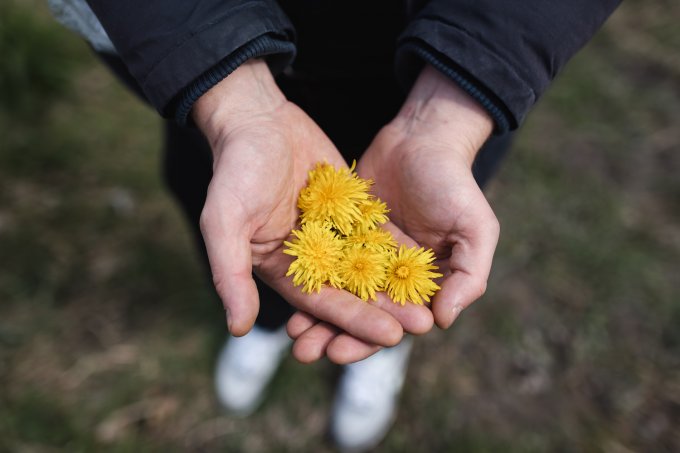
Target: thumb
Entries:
(228, 246)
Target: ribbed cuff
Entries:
(265, 45)
(502, 120)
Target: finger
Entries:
(349, 313)
(470, 265)
(316, 339)
(228, 247)
(299, 323)
(311, 345)
(414, 319)
(337, 307)
(344, 349)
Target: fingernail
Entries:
(456, 311)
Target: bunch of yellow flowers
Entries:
(341, 242)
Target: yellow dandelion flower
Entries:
(318, 250)
(409, 275)
(363, 271)
(373, 213)
(333, 196)
(377, 239)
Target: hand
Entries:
(263, 147)
(421, 164)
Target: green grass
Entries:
(109, 328)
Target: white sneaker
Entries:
(246, 365)
(366, 402)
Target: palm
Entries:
(434, 199)
(251, 203)
(259, 177)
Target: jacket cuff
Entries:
(279, 52)
(413, 54)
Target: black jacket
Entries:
(503, 53)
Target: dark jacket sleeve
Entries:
(505, 54)
(177, 49)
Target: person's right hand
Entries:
(263, 146)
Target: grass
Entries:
(108, 328)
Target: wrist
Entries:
(248, 92)
(437, 110)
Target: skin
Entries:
(421, 164)
(263, 146)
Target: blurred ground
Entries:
(108, 329)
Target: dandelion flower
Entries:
(333, 196)
(363, 271)
(410, 276)
(373, 213)
(377, 239)
(318, 250)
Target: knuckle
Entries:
(478, 288)
(220, 284)
(482, 287)
(496, 224)
(206, 219)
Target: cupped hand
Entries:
(421, 164)
(263, 146)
